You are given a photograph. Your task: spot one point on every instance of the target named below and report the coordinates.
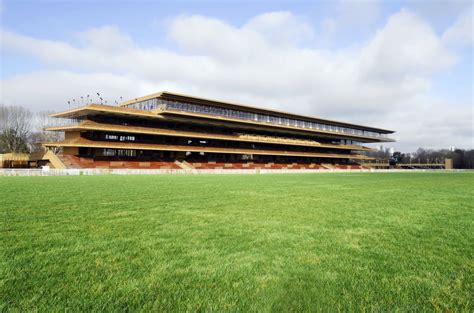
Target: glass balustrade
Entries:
(60, 121)
(162, 104)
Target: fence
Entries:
(77, 172)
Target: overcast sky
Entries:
(406, 66)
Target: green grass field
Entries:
(288, 242)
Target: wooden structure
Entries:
(384, 164)
(421, 165)
(14, 160)
(448, 164)
(170, 130)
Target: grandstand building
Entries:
(170, 130)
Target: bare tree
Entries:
(40, 121)
(15, 126)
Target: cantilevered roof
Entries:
(172, 96)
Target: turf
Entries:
(289, 242)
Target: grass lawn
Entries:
(288, 242)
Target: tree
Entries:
(458, 159)
(15, 126)
(42, 120)
(397, 157)
(469, 159)
(380, 154)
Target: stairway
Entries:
(54, 160)
(328, 166)
(68, 162)
(185, 165)
(362, 167)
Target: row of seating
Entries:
(348, 166)
(253, 165)
(269, 165)
(278, 139)
(79, 162)
(70, 161)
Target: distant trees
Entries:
(38, 135)
(21, 131)
(15, 127)
(380, 154)
(461, 158)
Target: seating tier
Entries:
(80, 162)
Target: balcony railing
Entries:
(161, 104)
(56, 122)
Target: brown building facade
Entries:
(170, 130)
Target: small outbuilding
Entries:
(14, 160)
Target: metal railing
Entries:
(274, 120)
(60, 121)
(88, 172)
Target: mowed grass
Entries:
(289, 242)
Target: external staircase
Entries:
(54, 160)
(68, 162)
(328, 166)
(185, 165)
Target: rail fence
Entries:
(77, 172)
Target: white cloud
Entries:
(431, 123)
(350, 19)
(462, 31)
(259, 63)
(281, 28)
(214, 38)
(106, 38)
(50, 90)
(405, 47)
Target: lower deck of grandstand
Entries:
(72, 161)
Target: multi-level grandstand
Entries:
(170, 130)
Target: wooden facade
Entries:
(173, 130)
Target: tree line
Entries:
(21, 130)
(462, 158)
